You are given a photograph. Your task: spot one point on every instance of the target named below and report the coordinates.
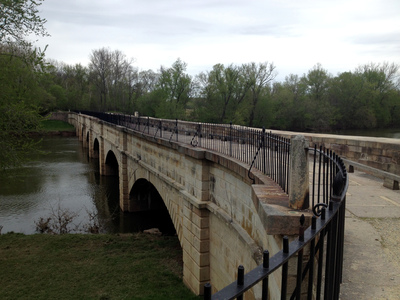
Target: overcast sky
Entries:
(295, 35)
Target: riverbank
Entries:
(54, 128)
(75, 266)
(57, 127)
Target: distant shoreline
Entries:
(65, 133)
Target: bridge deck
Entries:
(371, 257)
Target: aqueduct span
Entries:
(225, 214)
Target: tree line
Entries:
(247, 94)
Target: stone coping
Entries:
(338, 136)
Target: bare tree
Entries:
(100, 67)
(114, 77)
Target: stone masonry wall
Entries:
(222, 219)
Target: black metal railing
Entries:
(319, 276)
(267, 152)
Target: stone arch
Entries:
(144, 197)
(111, 166)
(96, 148)
(83, 132)
(171, 197)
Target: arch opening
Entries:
(145, 202)
(96, 148)
(111, 165)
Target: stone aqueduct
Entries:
(222, 218)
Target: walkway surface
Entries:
(372, 240)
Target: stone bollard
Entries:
(298, 174)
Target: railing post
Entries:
(207, 291)
(298, 180)
(240, 280)
(285, 267)
(199, 134)
(230, 140)
(264, 152)
(265, 280)
(176, 129)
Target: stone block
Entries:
(201, 259)
(391, 184)
(201, 222)
(200, 245)
(200, 273)
(192, 283)
(200, 233)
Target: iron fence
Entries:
(267, 152)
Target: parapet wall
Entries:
(379, 153)
(60, 116)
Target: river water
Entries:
(64, 179)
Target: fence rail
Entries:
(319, 271)
(267, 152)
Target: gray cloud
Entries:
(291, 33)
(386, 38)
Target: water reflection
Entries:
(65, 177)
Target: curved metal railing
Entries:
(320, 275)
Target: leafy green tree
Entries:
(74, 80)
(258, 77)
(317, 82)
(290, 104)
(224, 90)
(380, 83)
(20, 96)
(17, 121)
(175, 88)
(20, 18)
(367, 97)
(21, 66)
(146, 94)
(346, 98)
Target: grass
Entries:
(55, 125)
(77, 266)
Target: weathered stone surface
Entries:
(221, 218)
(298, 176)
